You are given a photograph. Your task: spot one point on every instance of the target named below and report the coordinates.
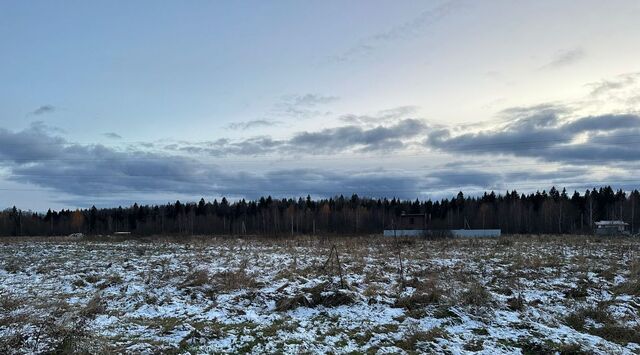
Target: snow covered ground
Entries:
(524, 294)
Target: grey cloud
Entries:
(254, 146)
(252, 124)
(566, 174)
(103, 174)
(34, 155)
(479, 180)
(511, 137)
(634, 100)
(377, 138)
(565, 58)
(605, 86)
(603, 123)
(303, 106)
(112, 135)
(380, 116)
(340, 139)
(411, 27)
(302, 113)
(461, 177)
(30, 144)
(44, 109)
(404, 30)
(98, 171)
(545, 136)
(524, 112)
(309, 100)
(357, 50)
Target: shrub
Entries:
(289, 303)
(234, 280)
(476, 295)
(417, 301)
(630, 287)
(8, 303)
(516, 303)
(609, 330)
(319, 295)
(196, 279)
(12, 266)
(410, 342)
(474, 345)
(92, 279)
(504, 242)
(577, 292)
(94, 307)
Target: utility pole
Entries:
(393, 225)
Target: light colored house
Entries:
(611, 228)
(415, 225)
(476, 233)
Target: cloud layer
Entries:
(565, 58)
(44, 109)
(95, 172)
(562, 147)
(343, 139)
(35, 156)
(252, 124)
(400, 31)
(383, 116)
(543, 134)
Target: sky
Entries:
(108, 103)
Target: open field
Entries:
(529, 294)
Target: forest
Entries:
(545, 212)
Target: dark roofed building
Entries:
(412, 221)
(611, 228)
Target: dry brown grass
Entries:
(13, 266)
(608, 329)
(94, 307)
(516, 303)
(9, 303)
(414, 337)
(629, 287)
(324, 294)
(234, 280)
(196, 279)
(476, 295)
(426, 293)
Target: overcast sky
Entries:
(112, 102)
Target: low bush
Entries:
(476, 295)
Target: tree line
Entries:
(543, 212)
